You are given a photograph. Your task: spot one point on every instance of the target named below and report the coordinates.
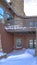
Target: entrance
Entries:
(32, 43)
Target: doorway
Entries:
(32, 43)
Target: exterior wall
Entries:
(7, 40)
(25, 39)
(18, 6)
(25, 22)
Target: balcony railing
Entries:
(20, 26)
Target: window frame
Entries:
(18, 42)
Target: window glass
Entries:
(31, 43)
(31, 24)
(1, 17)
(18, 42)
(8, 16)
(1, 12)
(35, 24)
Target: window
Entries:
(35, 24)
(1, 17)
(8, 16)
(18, 43)
(1, 12)
(31, 24)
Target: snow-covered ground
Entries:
(22, 51)
(20, 57)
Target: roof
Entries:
(23, 17)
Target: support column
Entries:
(36, 44)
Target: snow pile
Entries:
(17, 52)
(31, 51)
(26, 55)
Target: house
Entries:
(17, 30)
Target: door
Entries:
(32, 43)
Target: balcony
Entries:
(20, 26)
